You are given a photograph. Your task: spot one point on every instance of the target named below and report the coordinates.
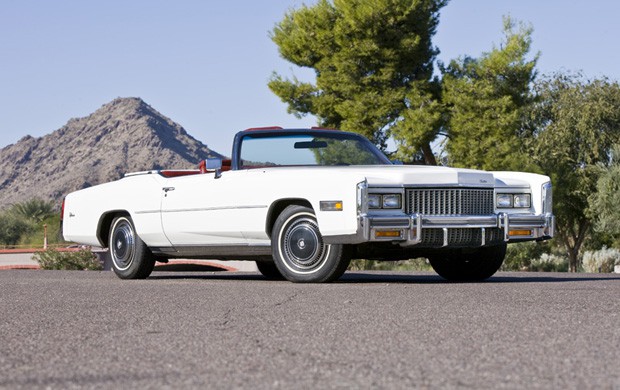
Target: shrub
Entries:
(35, 237)
(602, 260)
(419, 264)
(12, 228)
(519, 256)
(549, 263)
(83, 259)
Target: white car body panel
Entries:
(233, 209)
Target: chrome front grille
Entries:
(450, 201)
(460, 237)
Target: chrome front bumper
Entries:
(407, 230)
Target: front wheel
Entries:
(131, 258)
(299, 251)
(469, 265)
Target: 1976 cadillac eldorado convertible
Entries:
(303, 202)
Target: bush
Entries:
(13, 228)
(23, 224)
(602, 260)
(35, 237)
(419, 264)
(549, 263)
(519, 256)
(83, 259)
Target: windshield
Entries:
(308, 150)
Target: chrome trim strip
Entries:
(147, 211)
(442, 186)
(241, 251)
(468, 221)
(202, 209)
(362, 198)
(547, 197)
(550, 224)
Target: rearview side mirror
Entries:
(212, 164)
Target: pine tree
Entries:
(486, 99)
(373, 61)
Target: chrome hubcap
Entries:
(302, 244)
(122, 251)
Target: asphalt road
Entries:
(73, 329)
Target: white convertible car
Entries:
(303, 202)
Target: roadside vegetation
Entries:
(35, 223)
(24, 224)
(419, 264)
(83, 259)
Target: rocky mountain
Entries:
(125, 135)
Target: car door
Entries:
(199, 210)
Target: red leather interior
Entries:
(176, 173)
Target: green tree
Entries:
(13, 228)
(373, 61)
(344, 152)
(34, 209)
(604, 202)
(421, 122)
(22, 223)
(573, 126)
(486, 100)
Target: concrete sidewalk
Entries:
(17, 260)
(22, 259)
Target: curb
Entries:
(18, 266)
(177, 265)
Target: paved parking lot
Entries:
(74, 329)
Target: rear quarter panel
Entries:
(136, 195)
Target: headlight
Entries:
(508, 201)
(522, 201)
(384, 201)
(391, 201)
(504, 201)
(374, 201)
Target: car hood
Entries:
(426, 175)
(392, 175)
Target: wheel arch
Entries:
(105, 224)
(278, 206)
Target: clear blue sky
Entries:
(205, 64)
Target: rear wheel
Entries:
(269, 270)
(299, 251)
(131, 258)
(469, 265)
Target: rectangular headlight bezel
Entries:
(391, 201)
(385, 201)
(374, 201)
(522, 200)
(503, 201)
